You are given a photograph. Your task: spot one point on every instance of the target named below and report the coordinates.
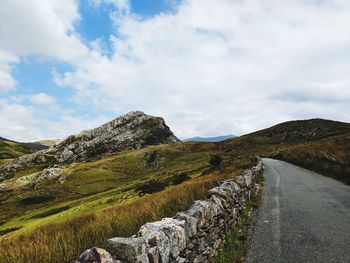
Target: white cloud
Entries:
(23, 122)
(226, 66)
(42, 99)
(37, 27)
(209, 67)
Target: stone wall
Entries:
(191, 236)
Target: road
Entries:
(303, 217)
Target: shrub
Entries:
(179, 178)
(37, 199)
(215, 160)
(151, 186)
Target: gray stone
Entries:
(192, 236)
(96, 255)
(133, 130)
(169, 236)
(129, 250)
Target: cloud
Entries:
(209, 67)
(24, 122)
(42, 99)
(46, 31)
(215, 67)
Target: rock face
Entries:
(194, 235)
(133, 130)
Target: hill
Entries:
(303, 131)
(316, 144)
(108, 181)
(134, 130)
(210, 139)
(11, 149)
(47, 143)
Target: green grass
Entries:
(93, 186)
(50, 212)
(11, 150)
(101, 199)
(74, 234)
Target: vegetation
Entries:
(215, 160)
(55, 220)
(319, 145)
(11, 150)
(74, 235)
(329, 156)
(47, 143)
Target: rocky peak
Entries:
(133, 130)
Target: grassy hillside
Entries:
(330, 156)
(47, 143)
(10, 150)
(320, 145)
(105, 198)
(114, 196)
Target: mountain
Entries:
(134, 130)
(210, 139)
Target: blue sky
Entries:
(207, 67)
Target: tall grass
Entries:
(63, 242)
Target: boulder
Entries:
(168, 235)
(129, 250)
(96, 255)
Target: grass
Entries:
(50, 212)
(8, 230)
(11, 150)
(64, 241)
(100, 200)
(330, 157)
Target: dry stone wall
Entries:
(191, 236)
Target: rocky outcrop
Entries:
(191, 236)
(133, 130)
(30, 182)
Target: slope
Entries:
(316, 144)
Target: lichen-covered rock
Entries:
(194, 235)
(96, 255)
(30, 182)
(189, 224)
(168, 235)
(133, 130)
(129, 250)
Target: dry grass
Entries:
(63, 242)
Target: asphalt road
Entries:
(303, 217)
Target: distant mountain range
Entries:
(210, 139)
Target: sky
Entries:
(207, 67)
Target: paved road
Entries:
(303, 217)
